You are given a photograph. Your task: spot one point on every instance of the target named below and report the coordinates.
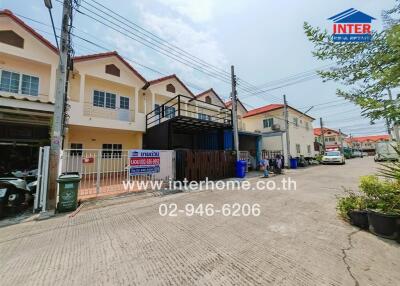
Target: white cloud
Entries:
(199, 43)
(197, 11)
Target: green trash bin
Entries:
(68, 192)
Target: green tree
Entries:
(368, 70)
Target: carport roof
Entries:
(33, 99)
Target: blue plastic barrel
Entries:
(240, 168)
(293, 163)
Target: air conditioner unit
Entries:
(276, 127)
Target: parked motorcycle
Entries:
(14, 195)
(17, 191)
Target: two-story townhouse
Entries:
(162, 98)
(241, 111)
(367, 143)
(333, 139)
(213, 105)
(179, 119)
(105, 110)
(28, 64)
(270, 122)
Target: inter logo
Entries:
(351, 26)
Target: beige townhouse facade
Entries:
(269, 121)
(331, 138)
(103, 96)
(28, 65)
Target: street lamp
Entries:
(48, 4)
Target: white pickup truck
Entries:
(384, 151)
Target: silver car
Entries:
(333, 157)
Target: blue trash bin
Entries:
(241, 168)
(293, 163)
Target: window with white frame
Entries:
(104, 99)
(76, 149)
(298, 150)
(309, 149)
(204, 116)
(169, 111)
(295, 121)
(268, 122)
(98, 98)
(307, 125)
(110, 100)
(19, 83)
(30, 85)
(123, 102)
(111, 151)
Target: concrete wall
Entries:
(94, 138)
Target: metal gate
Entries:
(42, 180)
(197, 165)
(106, 171)
(270, 154)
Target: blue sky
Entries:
(263, 39)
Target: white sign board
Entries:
(160, 163)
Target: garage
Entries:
(24, 127)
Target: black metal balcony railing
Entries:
(185, 106)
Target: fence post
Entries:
(45, 175)
(39, 180)
(98, 171)
(179, 105)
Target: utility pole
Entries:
(321, 124)
(395, 126)
(351, 142)
(341, 141)
(57, 130)
(286, 115)
(234, 114)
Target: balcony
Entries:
(85, 114)
(190, 114)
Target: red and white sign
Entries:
(144, 161)
(88, 160)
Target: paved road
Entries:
(297, 240)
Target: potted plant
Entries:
(353, 207)
(384, 215)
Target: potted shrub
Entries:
(384, 216)
(354, 208)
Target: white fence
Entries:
(103, 171)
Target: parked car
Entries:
(333, 157)
(357, 154)
(384, 151)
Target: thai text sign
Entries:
(144, 162)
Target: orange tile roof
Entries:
(263, 109)
(317, 131)
(48, 44)
(374, 138)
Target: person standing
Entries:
(264, 164)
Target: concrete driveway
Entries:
(297, 240)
